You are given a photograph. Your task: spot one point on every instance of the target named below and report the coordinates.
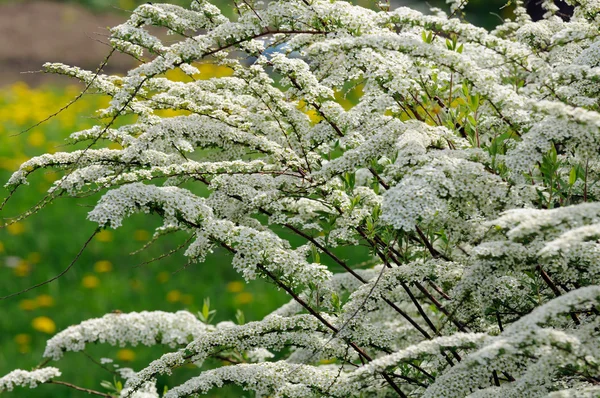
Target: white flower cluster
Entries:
(23, 378)
(463, 162)
(148, 328)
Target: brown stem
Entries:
(555, 290)
(439, 290)
(320, 247)
(440, 307)
(419, 308)
(408, 318)
(496, 380)
(379, 179)
(318, 316)
(499, 319)
(74, 387)
(434, 253)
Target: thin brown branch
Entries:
(86, 390)
(59, 275)
(546, 278)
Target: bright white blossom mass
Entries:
(464, 161)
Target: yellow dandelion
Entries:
(235, 286)
(52, 146)
(173, 296)
(163, 277)
(90, 281)
(125, 354)
(22, 269)
(44, 300)
(6, 164)
(20, 89)
(50, 176)
(244, 298)
(104, 236)
(36, 139)
(34, 257)
(208, 70)
(103, 266)
(187, 299)
(141, 235)
(16, 228)
(27, 305)
(136, 284)
(114, 145)
(43, 324)
(22, 338)
(314, 116)
(327, 361)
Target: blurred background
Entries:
(106, 277)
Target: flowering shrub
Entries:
(468, 168)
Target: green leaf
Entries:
(449, 44)
(206, 308)
(316, 256)
(335, 300)
(108, 385)
(572, 176)
(240, 318)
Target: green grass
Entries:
(43, 245)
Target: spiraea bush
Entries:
(468, 167)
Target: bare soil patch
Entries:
(33, 33)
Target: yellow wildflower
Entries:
(187, 299)
(327, 361)
(50, 176)
(141, 235)
(22, 269)
(244, 298)
(104, 236)
(22, 338)
(90, 281)
(15, 228)
(27, 305)
(136, 284)
(44, 300)
(103, 266)
(43, 324)
(125, 354)
(34, 257)
(36, 139)
(173, 296)
(235, 286)
(163, 277)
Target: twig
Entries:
(73, 386)
(59, 275)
